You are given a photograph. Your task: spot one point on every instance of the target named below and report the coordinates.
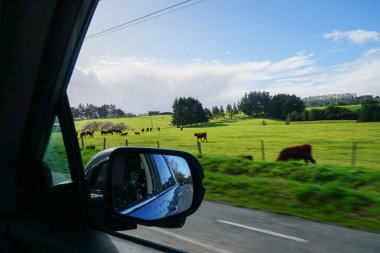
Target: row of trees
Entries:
(328, 113)
(219, 112)
(188, 111)
(336, 99)
(90, 111)
(260, 103)
(331, 99)
(370, 110)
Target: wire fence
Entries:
(355, 154)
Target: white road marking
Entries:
(263, 231)
(210, 248)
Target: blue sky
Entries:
(216, 50)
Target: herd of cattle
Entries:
(90, 133)
(299, 152)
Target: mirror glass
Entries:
(151, 186)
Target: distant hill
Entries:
(353, 108)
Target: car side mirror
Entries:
(152, 186)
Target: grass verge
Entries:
(344, 196)
(341, 195)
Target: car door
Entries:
(44, 202)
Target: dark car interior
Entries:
(40, 43)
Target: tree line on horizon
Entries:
(336, 99)
(189, 111)
(90, 111)
(280, 106)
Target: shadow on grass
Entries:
(207, 125)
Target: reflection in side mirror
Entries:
(150, 186)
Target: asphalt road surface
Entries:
(220, 228)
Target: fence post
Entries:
(158, 144)
(104, 143)
(82, 143)
(353, 161)
(126, 142)
(262, 150)
(199, 148)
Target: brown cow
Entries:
(201, 136)
(300, 152)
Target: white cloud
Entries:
(140, 85)
(355, 36)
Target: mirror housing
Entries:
(153, 187)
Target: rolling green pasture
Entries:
(353, 108)
(342, 195)
(332, 141)
(330, 191)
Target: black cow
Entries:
(299, 152)
(201, 136)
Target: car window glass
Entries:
(279, 101)
(166, 177)
(55, 156)
(98, 178)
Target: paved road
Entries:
(221, 228)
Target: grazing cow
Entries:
(142, 130)
(109, 132)
(90, 133)
(151, 129)
(158, 128)
(137, 133)
(249, 157)
(300, 152)
(103, 132)
(147, 129)
(117, 131)
(124, 134)
(83, 134)
(201, 136)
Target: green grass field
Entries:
(332, 141)
(353, 108)
(331, 190)
(342, 195)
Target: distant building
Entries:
(151, 113)
(166, 113)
